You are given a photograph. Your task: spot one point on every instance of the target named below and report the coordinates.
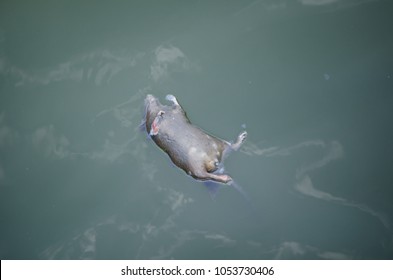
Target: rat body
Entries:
(190, 148)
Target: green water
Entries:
(311, 80)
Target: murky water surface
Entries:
(311, 80)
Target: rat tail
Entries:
(244, 194)
(240, 189)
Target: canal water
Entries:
(310, 80)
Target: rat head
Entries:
(154, 111)
(152, 107)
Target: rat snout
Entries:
(150, 99)
(150, 102)
(150, 96)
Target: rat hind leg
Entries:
(205, 176)
(199, 172)
(221, 178)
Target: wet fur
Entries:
(190, 148)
